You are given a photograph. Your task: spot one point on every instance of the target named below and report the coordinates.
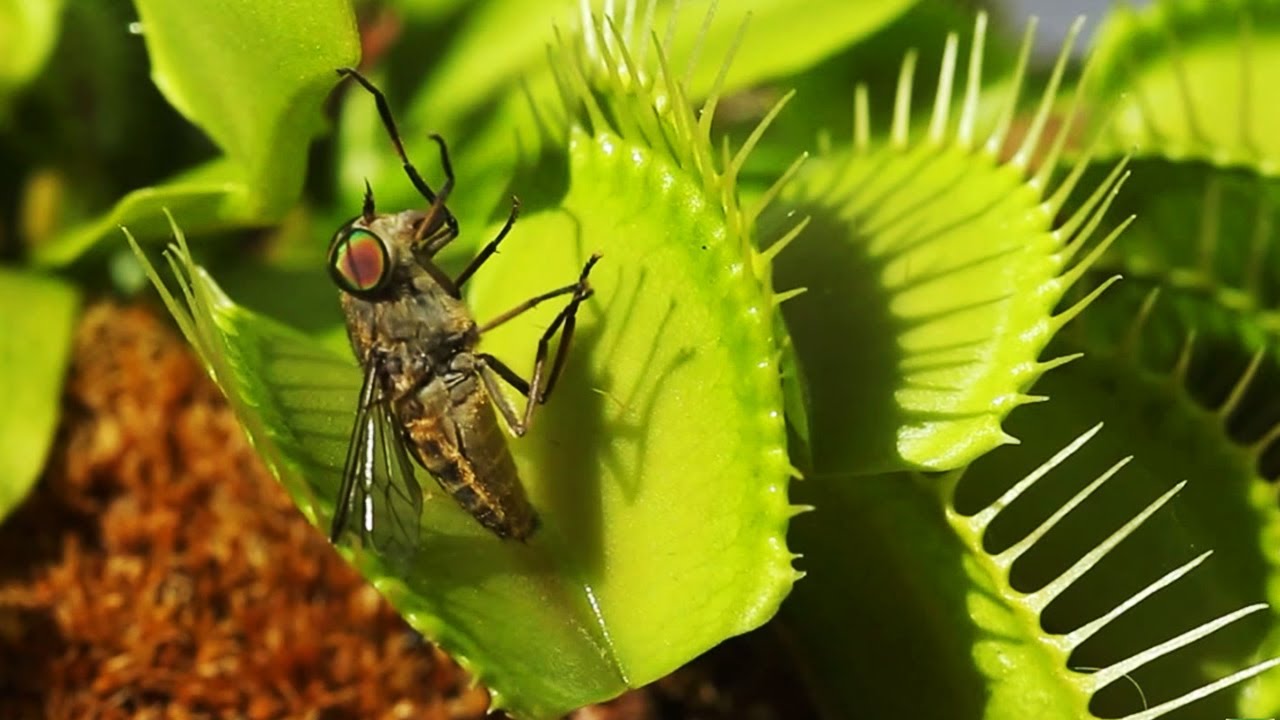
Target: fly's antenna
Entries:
(368, 211)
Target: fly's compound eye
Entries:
(359, 261)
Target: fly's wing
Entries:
(394, 497)
(379, 499)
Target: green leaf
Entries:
(1192, 80)
(252, 75)
(28, 30)
(37, 319)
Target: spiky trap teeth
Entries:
(935, 270)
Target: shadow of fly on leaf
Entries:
(427, 393)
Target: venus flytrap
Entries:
(660, 470)
(1097, 597)
(931, 271)
(1050, 579)
(1220, 413)
(1190, 84)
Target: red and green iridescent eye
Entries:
(359, 262)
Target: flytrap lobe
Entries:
(1192, 82)
(1049, 669)
(1188, 83)
(1149, 560)
(658, 471)
(940, 250)
(683, 359)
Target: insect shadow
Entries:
(635, 409)
(598, 429)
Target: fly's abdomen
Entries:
(466, 451)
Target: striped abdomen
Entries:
(460, 443)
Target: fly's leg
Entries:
(535, 391)
(431, 221)
(491, 248)
(578, 288)
(526, 306)
(437, 201)
(486, 369)
(568, 317)
(511, 377)
(384, 111)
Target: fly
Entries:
(428, 394)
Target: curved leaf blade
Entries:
(498, 607)
(252, 76)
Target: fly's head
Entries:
(373, 252)
(366, 253)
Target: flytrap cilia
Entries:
(427, 392)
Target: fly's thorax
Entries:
(440, 313)
(415, 314)
(438, 395)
